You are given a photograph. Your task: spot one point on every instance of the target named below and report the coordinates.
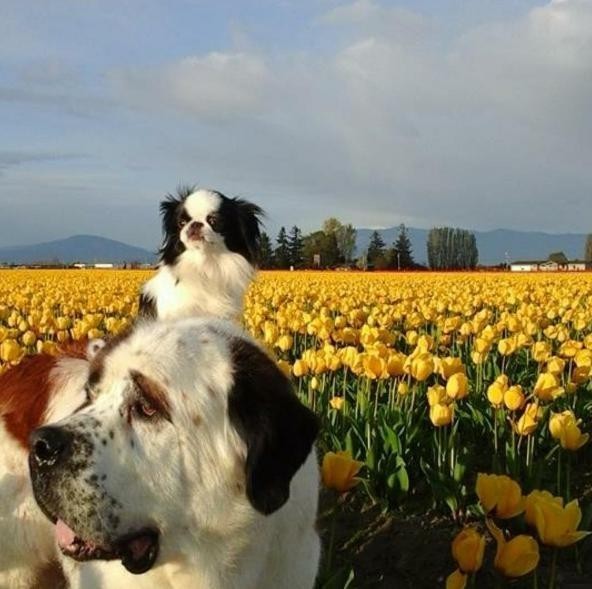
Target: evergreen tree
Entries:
(282, 250)
(265, 252)
(376, 254)
(295, 247)
(588, 252)
(403, 250)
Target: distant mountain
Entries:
(493, 245)
(78, 248)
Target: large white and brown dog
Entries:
(189, 463)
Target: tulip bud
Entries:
(467, 550)
(499, 494)
(457, 386)
(441, 415)
(514, 398)
(339, 471)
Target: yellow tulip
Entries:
(468, 548)
(339, 471)
(528, 421)
(531, 501)
(436, 395)
(402, 389)
(514, 398)
(555, 365)
(448, 366)
(337, 403)
(580, 374)
(300, 368)
(11, 351)
(500, 495)
(422, 366)
(506, 347)
(557, 525)
(285, 342)
(558, 422)
(456, 580)
(395, 363)
(547, 387)
(541, 351)
(314, 383)
(516, 557)
(583, 359)
(564, 427)
(572, 437)
(374, 366)
(457, 386)
(29, 338)
(441, 415)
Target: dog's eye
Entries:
(144, 409)
(181, 223)
(213, 221)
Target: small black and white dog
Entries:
(207, 258)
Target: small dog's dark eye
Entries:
(144, 409)
(212, 221)
(181, 223)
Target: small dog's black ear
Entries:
(172, 246)
(249, 218)
(279, 432)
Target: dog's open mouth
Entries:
(137, 551)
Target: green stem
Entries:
(559, 474)
(331, 547)
(553, 577)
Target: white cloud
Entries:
(213, 86)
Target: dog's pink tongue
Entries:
(65, 536)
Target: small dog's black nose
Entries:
(194, 229)
(49, 445)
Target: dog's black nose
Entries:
(49, 445)
(194, 229)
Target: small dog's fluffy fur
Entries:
(208, 256)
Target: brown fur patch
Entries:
(154, 392)
(25, 391)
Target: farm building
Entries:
(556, 262)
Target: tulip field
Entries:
(463, 399)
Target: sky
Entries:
(471, 113)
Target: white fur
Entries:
(201, 285)
(186, 476)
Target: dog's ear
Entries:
(249, 217)
(93, 347)
(278, 431)
(172, 246)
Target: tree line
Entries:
(334, 245)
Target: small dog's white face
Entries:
(199, 220)
(188, 427)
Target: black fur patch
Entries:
(237, 220)
(278, 430)
(147, 307)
